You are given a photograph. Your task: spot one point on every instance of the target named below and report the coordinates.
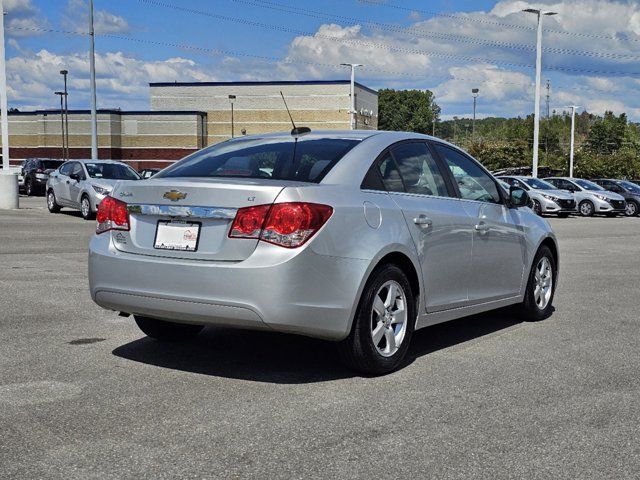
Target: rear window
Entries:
(307, 160)
(111, 171)
(51, 164)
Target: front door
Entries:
(499, 247)
(438, 223)
(75, 184)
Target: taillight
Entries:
(112, 215)
(285, 224)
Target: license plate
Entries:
(175, 235)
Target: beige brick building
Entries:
(185, 117)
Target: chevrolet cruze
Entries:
(359, 237)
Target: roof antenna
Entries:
(296, 130)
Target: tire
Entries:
(586, 208)
(534, 307)
(85, 208)
(537, 208)
(28, 187)
(633, 209)
(164, 331)
(52, 204)
(563, 215)
(359, 350)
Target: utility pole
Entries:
(92, 68)
(573, 128)
(66, 112)
(474, 92)
(536, 114)
(353, 111)
(232, 99)
(548, 95)
(62, 95)
(4, 111)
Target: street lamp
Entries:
(353, 111)
(573, 127)
(66, 110)
(536, 117)
(62, 95)
(474, 92)
(232, 99)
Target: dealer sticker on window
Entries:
(177, 235)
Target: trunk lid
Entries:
(210, 203)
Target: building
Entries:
(185, 117)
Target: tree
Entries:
(607, 134)
(407, 110)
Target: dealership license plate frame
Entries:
(163, 229)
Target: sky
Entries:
(591, 49)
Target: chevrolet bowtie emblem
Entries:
(174, 195)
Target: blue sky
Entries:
(591, 52)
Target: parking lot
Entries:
(83, 394)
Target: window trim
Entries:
(501, 193)
(452, 195)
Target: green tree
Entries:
(407, 110)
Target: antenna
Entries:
(296, 130)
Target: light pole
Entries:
(536, 115)
(4, 111)
(474, 92)
(66, 111)
(353, 111)
(573, 128)
(62, 95)
(92, 74)
(232, 99)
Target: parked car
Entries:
(590, 197)
(358, 237)
(630, 191)
(83, 184)
(148, 172)
(35, 172)
(546, 197)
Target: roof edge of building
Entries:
(114, 111)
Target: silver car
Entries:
(83, 184)
(546, 198)
(591, 197)
(359, 237)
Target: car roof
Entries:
(87, 160)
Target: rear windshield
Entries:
(307, 160)
(111, 171)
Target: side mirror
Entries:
(518, 197)
(74, 176)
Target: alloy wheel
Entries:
(543, 283)
(51, 202)
(86, 207)
(631, 210)
(586, 209)
(389, 318)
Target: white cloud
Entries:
(23, 18)
(77, 18)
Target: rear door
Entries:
(438, 223)
(499, 243)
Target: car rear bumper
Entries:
(296, 291)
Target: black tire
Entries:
(52, 204)
(87, 214)
(529, 310)
(358, 350)
(563, 215)
(586, 208)
(537, 208)
(167, 331)
(633, 209)
(28, 187)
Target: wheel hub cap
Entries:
(543, 283)
(389, 318)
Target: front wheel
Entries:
(85, 208)
(586, 208)
(383, 325)
(52, 205)
(538, 298)
(167, 331)
(632, 209)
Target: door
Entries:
(438, 224)
(60, 183)
(75, 184)
(499, 243)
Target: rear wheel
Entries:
(167, 331)
(52, 205)
(383, 325)
(28, 187)
(632, 209)
(538, 298)
(85, 208)
(586, 208)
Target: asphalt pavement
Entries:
(83, 394)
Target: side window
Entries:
(78, 170)
(473, 182)
(418, 169)
(390, 175)
(614, 188)
(372, 180)
(66, 169)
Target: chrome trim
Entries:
(216, 213)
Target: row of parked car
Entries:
(564, 196)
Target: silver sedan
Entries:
(351, 236)
(83, 184)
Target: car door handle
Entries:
(423, 221)
(482, 227)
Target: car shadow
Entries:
(289, 359)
